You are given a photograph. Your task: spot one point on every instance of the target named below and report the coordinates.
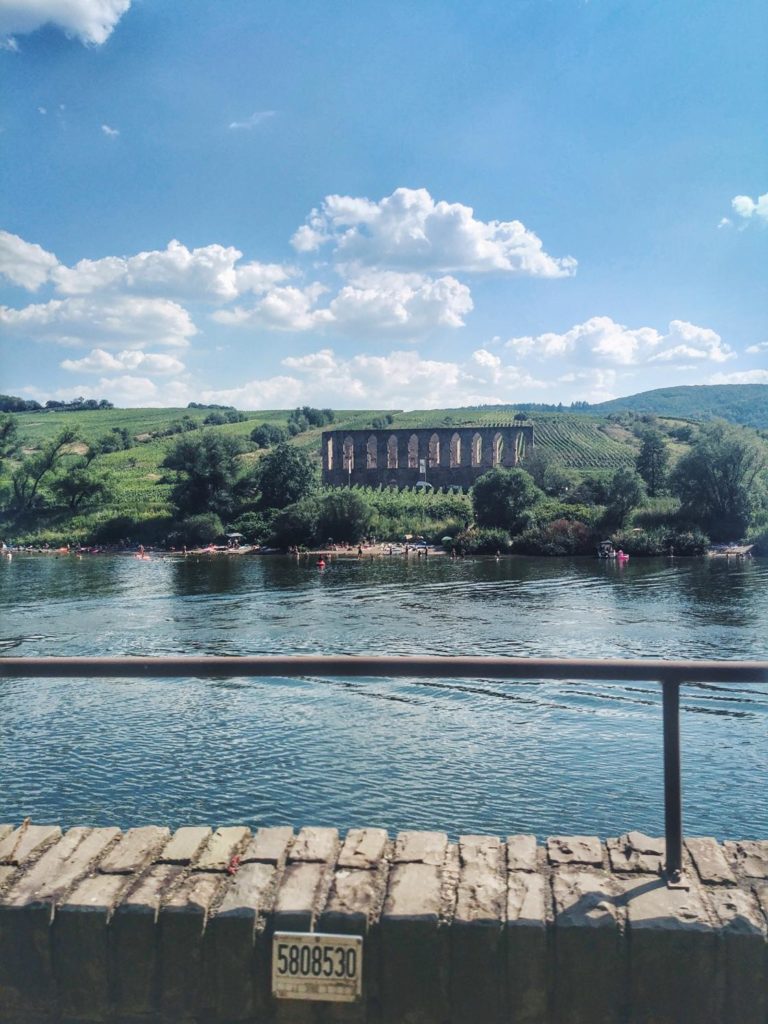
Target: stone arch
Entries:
(392, 452)
(413, 452)
(329, 452)
(371, 452)
(348, 449)
(434, 450)
(477, 449)
(497, 450)
(455, 452)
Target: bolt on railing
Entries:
(669, 674)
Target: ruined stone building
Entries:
(443, 457)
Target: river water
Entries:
(474, 756)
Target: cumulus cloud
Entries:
(210, 271)
(281, 309)
(90, 21)
(25, 263)
(760, 347)
(122, 321)
(409, 305)
(409, 231)
(401, 378)
(602, 340)
(747, 208)
(101, 361)
(740, 377)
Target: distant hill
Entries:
(740, 403)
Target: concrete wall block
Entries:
(749, 858)
(185, 845)
(19, 845)
(27, 983)
(674, 970)
(300, 896)
(420, 848)
(135, 850)
(743, 955)
(363, 848)
(224, 844)
(269, 845)
(186, 974)
(636, 853)
(314, 845)
(527, 948)
(133, 941)
(522, 853)
(589, 954)
(709, 860)
(575, 850)
(239, 948)
(81, 949)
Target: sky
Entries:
(381, 205)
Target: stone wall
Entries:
(451, 456)
(104, 926)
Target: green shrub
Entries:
(560, 537)
(481, 541)
(195, 531)
(642, 543)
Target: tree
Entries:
(652, 461)
(267, 434)
(625, 492)
(501, 497)
(344, 515)
(28, 477)
(9, 435)
(81, 486)
(719, 481)
(285, 475)
(209, 473)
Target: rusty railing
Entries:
(671, 675)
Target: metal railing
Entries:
(671, 675)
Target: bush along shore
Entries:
(222, 480)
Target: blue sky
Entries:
(381, 205)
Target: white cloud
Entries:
(409, 231)
(90, 21)
(25, 263)
(602, 340)
(400, 379)
(760, 347)
(42, 110)
(124, 321)
(406, 304)
(740, 377)
(101, 361)
(746, 207)
(375, 303)
(281, 309)
(258, 117)
(209, 272)
(111, 132)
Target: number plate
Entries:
(306, 965)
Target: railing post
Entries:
(673, 803)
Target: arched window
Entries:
(520, 447)
(434, 450)
(413, 452)
(371, 453)
(392, 452)
(497, 456)
(477, 450)
(329, 453)
(349, 454)
(455, 451)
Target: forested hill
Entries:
(739, 403)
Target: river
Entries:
(475, 756)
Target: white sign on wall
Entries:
(308, 965)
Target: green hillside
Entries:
(746, 404)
